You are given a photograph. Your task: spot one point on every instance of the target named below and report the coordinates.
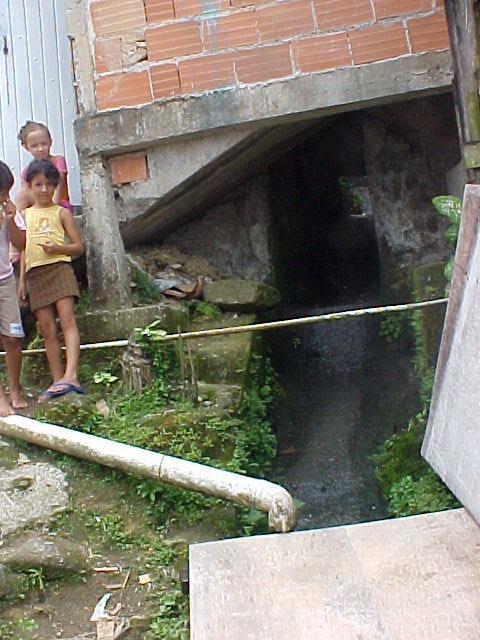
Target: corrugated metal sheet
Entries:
(36, 81)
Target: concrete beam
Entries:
(304, 97)
(208, 183)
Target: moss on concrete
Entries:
(98, 326)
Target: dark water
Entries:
(345, 391)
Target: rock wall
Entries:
(234, 236)
(409, 148)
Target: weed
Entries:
(104, 378)
(21, 629)
(83, 303)
(426, 494)
(171, 623)
(391, 326)
(204, 309)
(146, 291)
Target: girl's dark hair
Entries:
(42, 168)
(6, 177)
(30, 126)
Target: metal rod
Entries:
(262, 326)
(277, 324)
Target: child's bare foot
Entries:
(17, 399)
(5, 408)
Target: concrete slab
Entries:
(400, 579)
(452, 440)
(312, 96)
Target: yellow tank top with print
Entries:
(43, 227)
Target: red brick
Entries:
(228, 32)
(108, 54)
(207, 73)
(378, 43)
(263, 64)
(429, 33)
(113, 17)
(165, 81)
(123, 90)
(391, 8)
(159, 10)
(131, 167)
(340, 14)
(322, 53)
(171, 40)
(186, 8)
(286, 20)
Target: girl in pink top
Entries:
(36, 139)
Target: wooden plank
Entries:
(21, 81)
(38, 111)
(463, 31)
(53, 95)
(11, 151)
(452, 440)
(391, 580)
(69, 106)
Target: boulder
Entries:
(241, 295)
(29, 494)
(55, 555)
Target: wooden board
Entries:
(402, 579)
(36, 82)
(452, 440)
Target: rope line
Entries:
(261, 326)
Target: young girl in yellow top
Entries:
(52, 285)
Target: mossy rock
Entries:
(71, 410)
(117, 324)
(57, 556)
(222, 360)
(12, 585)
(224, 396)
(241, 295)
(164, 431)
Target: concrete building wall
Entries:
(150, 50)
(216, 88)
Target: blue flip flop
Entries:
(60, 389)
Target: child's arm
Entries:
(76, 246)
(61, 165)
(17, 236)
(22, 290)
(57, 196)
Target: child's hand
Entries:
(22, 293)
(49, 248)
(9, 210)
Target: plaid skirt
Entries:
(51, 282)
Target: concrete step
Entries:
(406, 579)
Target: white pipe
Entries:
(250, 492)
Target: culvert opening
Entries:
(351, 217)
(324, 238)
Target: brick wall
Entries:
(146, 50)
